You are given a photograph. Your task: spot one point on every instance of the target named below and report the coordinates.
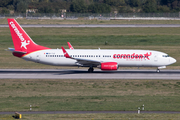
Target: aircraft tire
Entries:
(157, 70)
(90, 70)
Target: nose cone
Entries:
(172, 60)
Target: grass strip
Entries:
(85, 95)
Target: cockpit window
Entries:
(165, 55)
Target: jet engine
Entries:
(108, 66)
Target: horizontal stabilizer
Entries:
(14, 51)
(10, 49)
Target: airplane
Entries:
(105, 59)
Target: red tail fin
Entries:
(21, 40)
(65, 53)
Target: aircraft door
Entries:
(155, 58)
(37, 57)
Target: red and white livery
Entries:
(26, 48)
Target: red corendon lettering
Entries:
(124, 56)
(147, 55)
(121, 56)
(114, 56)
(118, 56)
(132, 56)
(136, 56)
(140, 56)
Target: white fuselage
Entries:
(124, 58)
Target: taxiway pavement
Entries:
(83, 74)
(96, 25)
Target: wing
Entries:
(87, 62)
(81, 61)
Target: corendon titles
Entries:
(17, 31)
(132, 56)
(24, 42)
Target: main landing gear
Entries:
(157, 70)
(91, 69)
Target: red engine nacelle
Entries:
(109, 66)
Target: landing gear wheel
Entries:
(157, 70)
(91, 69)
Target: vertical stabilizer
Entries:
(21, 40)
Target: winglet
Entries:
(70, 46)
(65, 53)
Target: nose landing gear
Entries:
(158, 69)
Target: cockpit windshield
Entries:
(165, 55)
